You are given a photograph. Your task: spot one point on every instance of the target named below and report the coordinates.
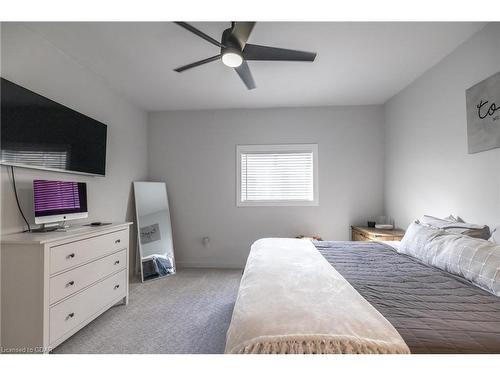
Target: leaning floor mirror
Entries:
(154, 231)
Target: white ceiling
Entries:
(357, 63)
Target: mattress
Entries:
(434, 311)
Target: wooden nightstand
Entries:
(374, 234)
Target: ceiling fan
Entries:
(235, 51)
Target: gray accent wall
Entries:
(427, 167)
(30, 61)
(194, 152)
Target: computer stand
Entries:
(49, 227)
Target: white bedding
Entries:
(291, 300)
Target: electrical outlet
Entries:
(206, 242)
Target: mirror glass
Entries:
(154, 237)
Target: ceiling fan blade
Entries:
(264, 53)
(246, 76)
(201, 34)
(197, 63)
(241, 31)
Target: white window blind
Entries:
(49, 159)
(277, 175)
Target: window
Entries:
(277, 175)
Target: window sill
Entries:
(278, 204)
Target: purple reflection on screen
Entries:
(55, 195)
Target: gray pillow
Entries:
(473, 259)
(457, 226)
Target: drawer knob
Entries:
(71, 283)
(72, 255)
(70, 315)
(117, 262)
(117, 241)
(116, 286)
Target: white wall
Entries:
(428, 169)
(32, 62)
(194, 152)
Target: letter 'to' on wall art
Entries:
(483, 115)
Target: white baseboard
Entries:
(191, 264)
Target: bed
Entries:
(433, 311)
(358, 297)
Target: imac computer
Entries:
(58, 201)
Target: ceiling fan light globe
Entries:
(232, 59)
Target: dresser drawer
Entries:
(72, 281)
(69, 314)
(75, 253)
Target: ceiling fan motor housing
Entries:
(230, 43)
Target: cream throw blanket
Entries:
(291, 300)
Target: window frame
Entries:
(278, 148)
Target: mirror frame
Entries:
(139, 245)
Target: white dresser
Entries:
(53, 284)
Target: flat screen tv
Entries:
(37, 132)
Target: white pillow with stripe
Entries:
(416, 239)
(495, 236)
(473, 259)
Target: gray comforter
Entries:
(434, 311)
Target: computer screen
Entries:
(60, 198)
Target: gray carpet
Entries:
(185, 313)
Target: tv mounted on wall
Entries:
(37, 132)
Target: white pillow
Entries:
(416, 238)
(473, 259)
(455, 219)
(495, 236)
